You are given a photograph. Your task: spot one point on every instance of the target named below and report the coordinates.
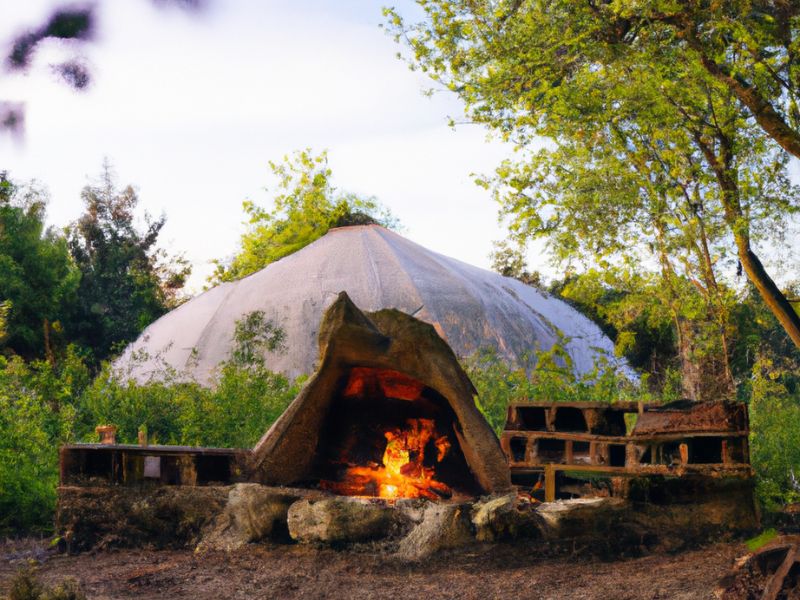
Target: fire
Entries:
(402, 473)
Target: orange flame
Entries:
(403, 473)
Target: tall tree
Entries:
(579, 75)
(305, 207)
(749, 46)
(127, 280)
(37, 277)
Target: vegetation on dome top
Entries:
(306, 206)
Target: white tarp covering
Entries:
(470, 307)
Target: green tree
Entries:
(552, 379)
(305, 207)
(562, 71)
(37, 277)
(509, 261)
(630, 308)
(750, 47)
(127, 281)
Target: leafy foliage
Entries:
(37, 278)
(26, 585)
(43, 406)
(305, 207)
(5, 308)
(552, 379)
(127, 281)
(669, 167)
(31, 427)
(509, 261)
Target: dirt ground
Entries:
(482, 572)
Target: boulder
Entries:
(253, 513)
(581, 518)
(342, 520)
(442, 526)
(505, 517)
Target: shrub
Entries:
(552, 379)
(774, 435)
(26, 586)
(33, 423)
(43, 406)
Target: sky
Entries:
(190, 107)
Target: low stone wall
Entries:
(118, 516)
(229, 517)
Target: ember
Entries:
(407, 470)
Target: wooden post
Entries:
(63, 465)
(550, 418)
(549, 483)
(775, 581)
(684, 450)
(512, 418)
(632, 455)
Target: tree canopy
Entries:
(646, 147)
(38, 279)
(127, 280)
(306, 205)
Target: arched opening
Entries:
(388, 435)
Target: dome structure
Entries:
(470, 308)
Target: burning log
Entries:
(404, 472)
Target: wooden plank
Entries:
(621, 439)
(621, 406)
(729, 470)
(154, 450)
(775, 583)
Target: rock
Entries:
(253, 513)
(442, 526)
(505, 518)
(412, 509)
(342, 520)
(581, 518)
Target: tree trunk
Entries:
(775, 300)
(769, 291)
(771, 121)
(717, 305)
(690, 373)
(48, 349)
(691, 376)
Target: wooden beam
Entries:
(622, 439)
(775, 583)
